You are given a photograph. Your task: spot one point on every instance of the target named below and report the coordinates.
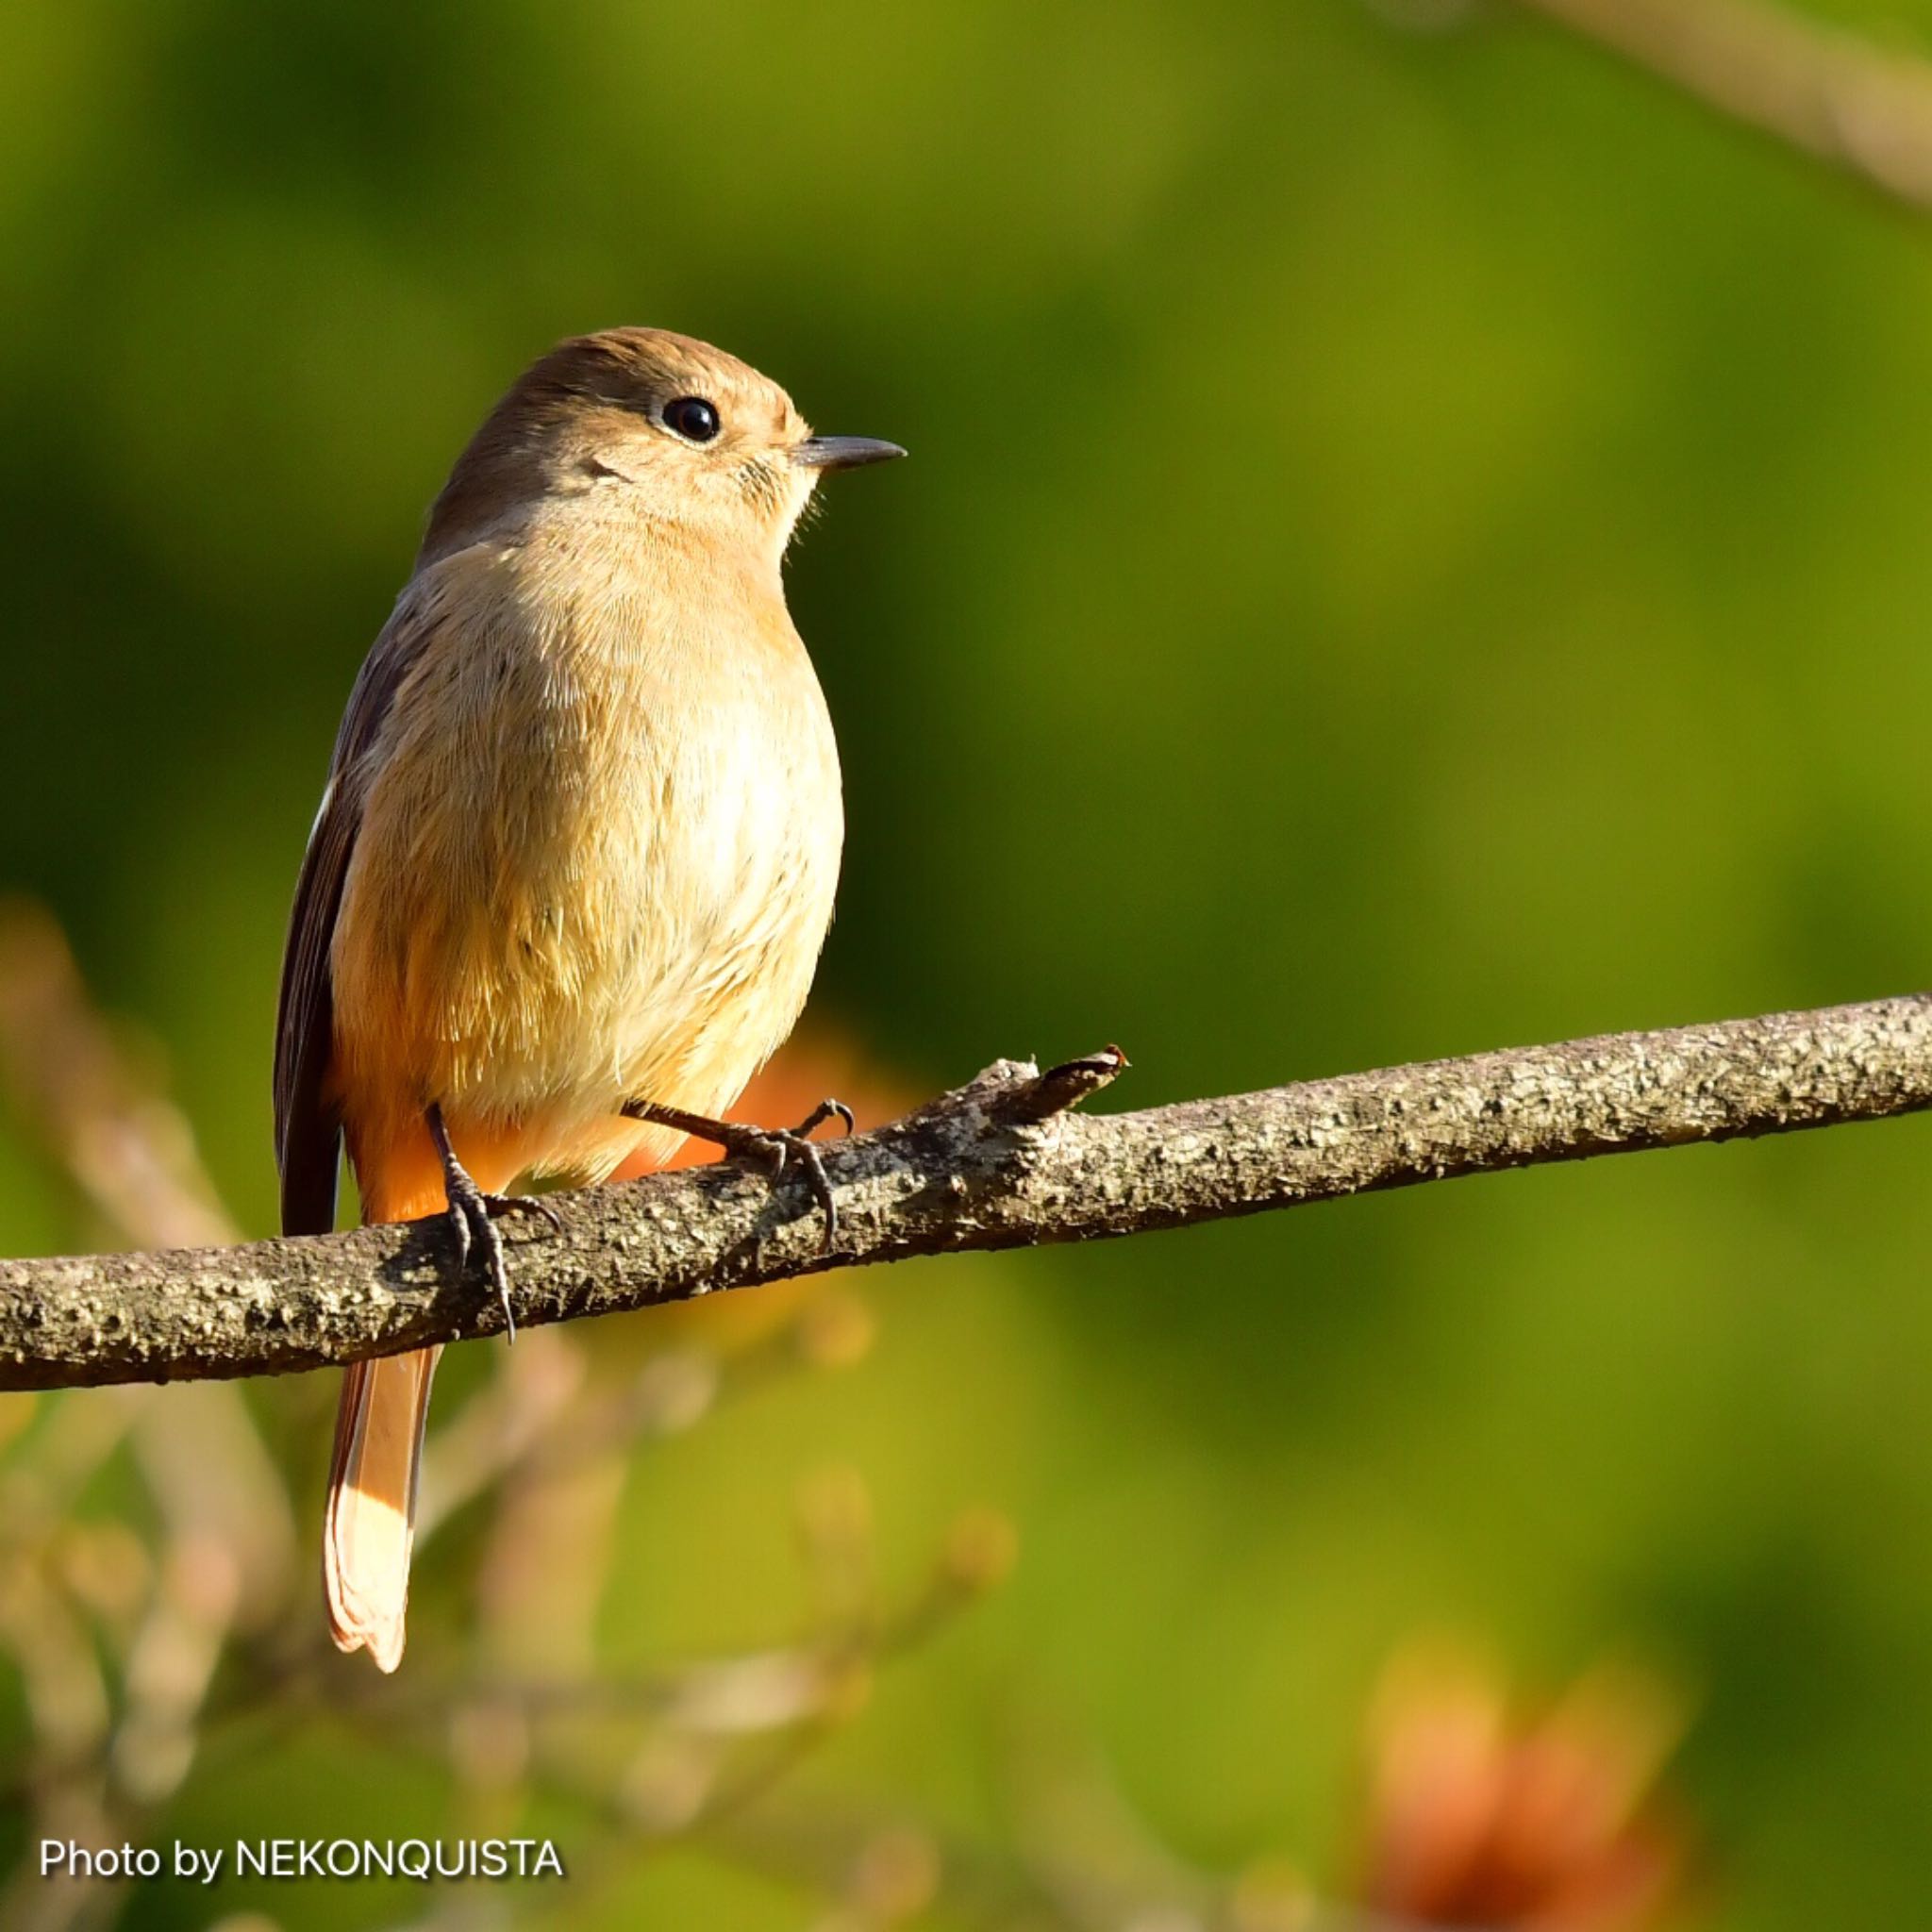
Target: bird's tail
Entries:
(372, 1502)
(370, 1525)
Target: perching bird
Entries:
(576, 857)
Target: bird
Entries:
(576, 855)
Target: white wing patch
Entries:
(328, 792)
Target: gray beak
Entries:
(842, 452)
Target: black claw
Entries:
(472, 1216)
(825, 1110)
(774, 1147)
(497, 1269)
(522, 1203)
(821, 1186)
(459, 1226)
(779, 1146)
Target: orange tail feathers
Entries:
(371, 1524)
(372, 1502)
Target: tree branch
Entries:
(1815, 87)
(1000, 1163)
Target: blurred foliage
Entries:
(1415, 540)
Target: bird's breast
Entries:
(598, 858)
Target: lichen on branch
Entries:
(1001, 1162)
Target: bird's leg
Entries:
(775, 1147)
(473, 1215)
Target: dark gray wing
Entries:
(309, 1127)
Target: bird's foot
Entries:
(473, 1218)
(773, 1148)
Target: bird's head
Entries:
(676, 431)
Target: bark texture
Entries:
(999, 1163)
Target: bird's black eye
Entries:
(692, 418)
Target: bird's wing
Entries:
(309, 1127)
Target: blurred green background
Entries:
(1416, 541)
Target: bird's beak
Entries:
(842, 452)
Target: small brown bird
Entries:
(578, 852)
